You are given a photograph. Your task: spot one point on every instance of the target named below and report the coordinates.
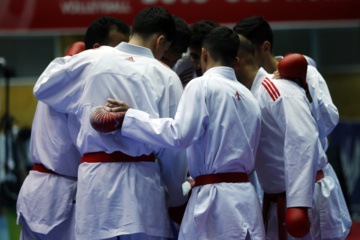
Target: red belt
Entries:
(41, 168)
(280, 199)
(231, 177)
(115, 157)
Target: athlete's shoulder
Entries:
(270, 89)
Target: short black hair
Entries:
(98, 31)
(182, 36)
(154, 20)
(222, 44)
(199, 30)
(256, 29)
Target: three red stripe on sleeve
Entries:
(271, 89)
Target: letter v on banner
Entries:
(271, 89)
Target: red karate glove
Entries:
(102, 120)
(293, 66)
(75, 48)
(297, 221)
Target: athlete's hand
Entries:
(276, 75)
(117, 106)
(297, 221)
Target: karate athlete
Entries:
(324, 112)
(46, 202)
(253, 77)
(218, 120)
(121, 191)
(189, 67)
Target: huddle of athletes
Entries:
(218, 140)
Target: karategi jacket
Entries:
(218, 121)
(127, 197)
(291, 152)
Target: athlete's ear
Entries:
(236, 64)
(160, 40)
(204, 55)
(96, 45)
(266, 46)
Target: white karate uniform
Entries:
(218, 121)
(118, 198)
(46, 202)
(287, 122)
(288, 144)
(323, 109)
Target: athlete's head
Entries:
(220, 46)
(154, 24)
(106, 31)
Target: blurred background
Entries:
(34, 32)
